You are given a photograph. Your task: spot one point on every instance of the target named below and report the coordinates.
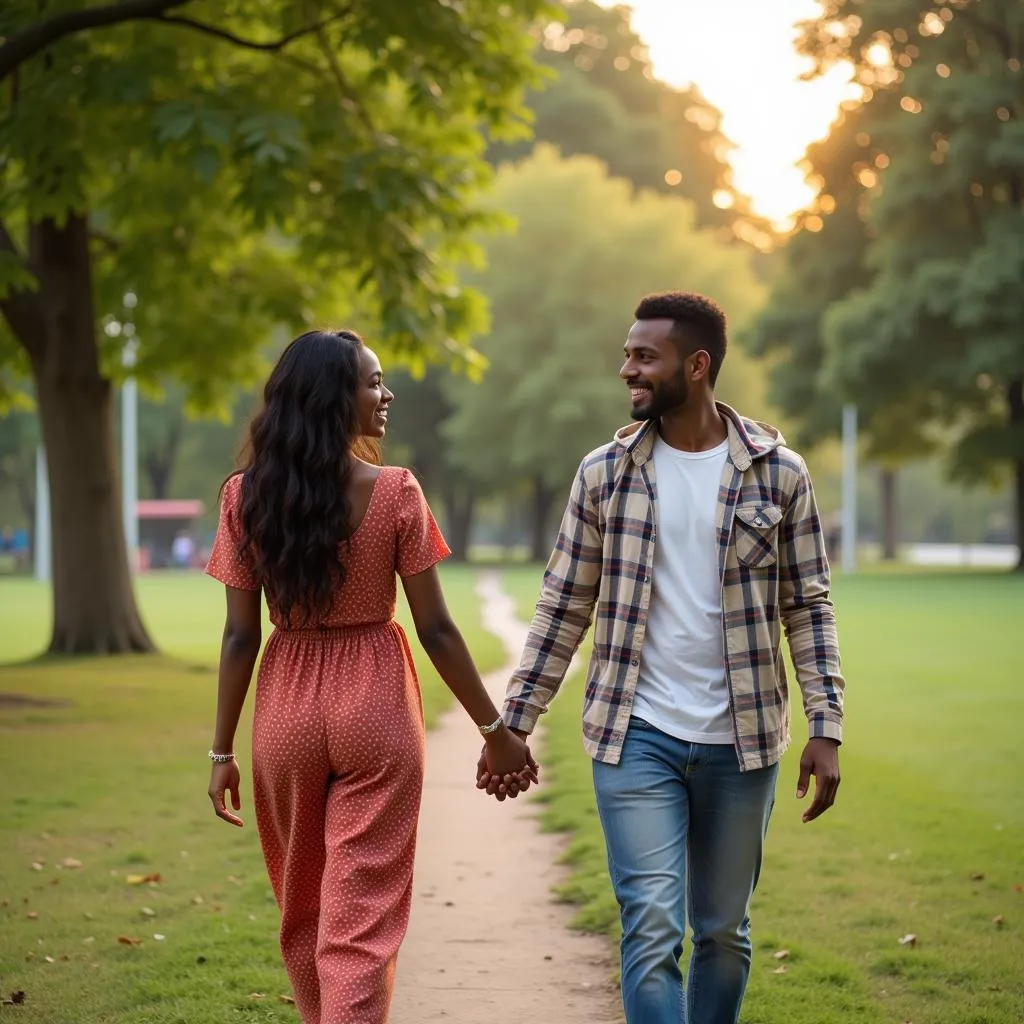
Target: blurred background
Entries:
(843, 177)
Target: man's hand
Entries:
(510, 785)
(820, 759)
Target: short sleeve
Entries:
(226, 564)
(419, 544)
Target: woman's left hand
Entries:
(509, 763)
(225, 778)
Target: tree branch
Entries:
(22, 310)
(346, 91)
(22, 45)
(249, 44)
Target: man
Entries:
(696, 536)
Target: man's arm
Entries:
(563, 612)
(808, 618)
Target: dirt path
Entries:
(486, 944)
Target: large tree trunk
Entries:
(1016, 399)
(94, 610)
(459, 508)
(890, 515)
(540, 516)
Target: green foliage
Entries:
(562, 290)
(233, 187)
(902, 292)
(606, 102)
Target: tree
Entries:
(235, 166)
(606, 102)
(563, 288)
(936, 332)
(19, 439)
(820, 264)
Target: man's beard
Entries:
(669, 397)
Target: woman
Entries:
(338, 727)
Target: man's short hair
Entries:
(698, 323)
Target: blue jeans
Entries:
(683, 826)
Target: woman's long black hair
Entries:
(295, 508)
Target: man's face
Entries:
(653, 371)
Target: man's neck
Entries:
(697, 426)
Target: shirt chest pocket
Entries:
(756, 534)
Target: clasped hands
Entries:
(506, 767)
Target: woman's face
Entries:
(372, 397)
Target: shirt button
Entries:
(635, 661)
(759, 522)
(647, 578)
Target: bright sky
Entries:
(740, 55)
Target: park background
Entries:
(484, 191)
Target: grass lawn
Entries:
(113, 776)
(927, 837)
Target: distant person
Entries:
(315, 523)
(183, 551)
(695, 537)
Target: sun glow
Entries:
(740, 55)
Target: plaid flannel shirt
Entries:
(774, 576)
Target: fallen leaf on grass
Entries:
(999, 920)
(70, 863)
(909, 940)
(978, 876)
(287, 999)
(32, 915)
(49, 959)
(197, 900)
(127, 940)
(38, 865)
(14, 999)
(257, 995)
(54, 881)
(781, 954)
(1017, 888)
(148, 912)
(781, 969)
(159, 937)
(91, 939)
(143, 879)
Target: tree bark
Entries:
(890, 515)
(459, 510)
(1015, 394)
(540, 515)
(94, 609)
(159, 461)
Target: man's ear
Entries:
(701, 365)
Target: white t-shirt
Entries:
(681, 688)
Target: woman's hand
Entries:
(506, 765)
(225, 779)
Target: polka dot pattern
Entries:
(338, 746)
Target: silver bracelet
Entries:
(220, 758)
(486, 730)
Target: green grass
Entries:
(115, 776)
(931, 796)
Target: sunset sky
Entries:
(740, 55)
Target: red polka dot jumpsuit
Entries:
(337, 754)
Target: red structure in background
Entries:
(160, 522)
